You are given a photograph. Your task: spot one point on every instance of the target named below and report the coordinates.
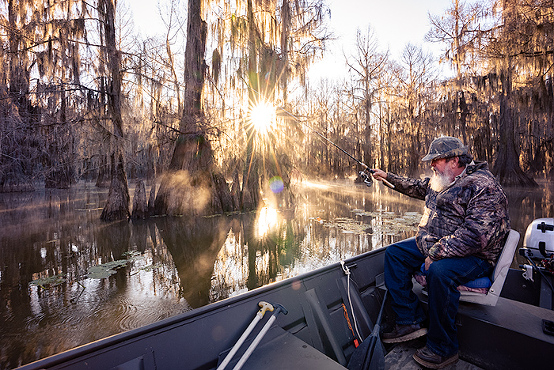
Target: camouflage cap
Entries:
(445, 147)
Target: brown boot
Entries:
(431, 360)
(404, 333)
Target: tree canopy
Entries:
(84, 97)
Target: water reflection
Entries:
(268, 219)
(193, 245)
(180, 264)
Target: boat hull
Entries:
(315, 332)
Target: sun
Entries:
(262, 116)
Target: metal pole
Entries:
(264, 306)
(257, 340)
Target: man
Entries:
(459, 238)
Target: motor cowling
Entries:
(539, 238)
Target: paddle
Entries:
(369, 355)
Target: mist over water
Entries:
(174, 264)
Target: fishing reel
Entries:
(366, 178)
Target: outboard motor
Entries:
(539, 238)
(538, 249)
(538, 243)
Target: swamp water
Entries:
(67, 279)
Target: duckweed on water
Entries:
(95, 272)
(377, 222)
(109, 268)
(152, 267)
(132, 255)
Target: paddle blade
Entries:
(368, 356)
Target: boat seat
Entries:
(498, 274)
(486, 290)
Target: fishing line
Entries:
(365, 178)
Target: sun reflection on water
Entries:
(230, 268)
(267, 220)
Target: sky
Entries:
(394, 22)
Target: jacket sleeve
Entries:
(415, 188)
(484, 225)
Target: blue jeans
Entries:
(402, 259)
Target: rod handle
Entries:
(388, 183)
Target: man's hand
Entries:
(379, 175)
(428, 262)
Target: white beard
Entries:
(441, 181)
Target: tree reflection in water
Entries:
(182, 263)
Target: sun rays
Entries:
(262, 117)
(264, 138)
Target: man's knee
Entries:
(408, 246)
(394, 255)
(439, 271)
(391, 251)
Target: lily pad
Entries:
(152, 267)
(106, 269)
(50, 281)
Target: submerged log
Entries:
(13, 186)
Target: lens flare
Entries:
(276, 184)
(262, 116)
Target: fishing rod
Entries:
(365, 177)
(365, 166)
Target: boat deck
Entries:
(506, 323)
(283, 350)
(512, 335)
(401, 357)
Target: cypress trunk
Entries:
(507, 167)
(117, 205)
(187, 187)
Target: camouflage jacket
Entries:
(468, 218)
